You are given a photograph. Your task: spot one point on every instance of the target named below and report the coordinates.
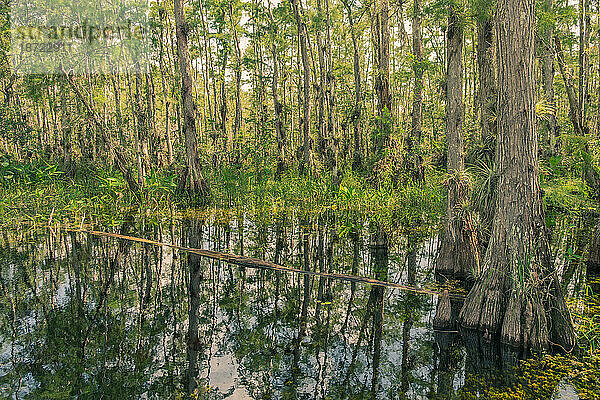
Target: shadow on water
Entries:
(91, 317)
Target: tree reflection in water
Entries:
(93, 317)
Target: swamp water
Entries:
(102, 318)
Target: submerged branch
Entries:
(257, 263)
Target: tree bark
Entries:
(381, 48)
(277, 106)
(192, 236)
(553, 130)
(574, 113)
(598, 87)
(487, 104)
(414, 138)
(305, 123)
(357, 111)
(238, 86)
(321, 127)
(593, 259)
(65, 125)
(459, 255)
(487, 79)
(584, 21)
(518, 295)
(122, 164)
(379, 255)
(192, 182)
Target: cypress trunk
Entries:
(574, 112)
(459, 256)
(357, 112)
(305, 121)
(277, 106)
(552, 127)
(487, 80)
(381, 48)
(192, 182)
(417, 105)
(238, 87)
(518, 296)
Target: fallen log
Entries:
(250, 262)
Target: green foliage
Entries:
(30, 173)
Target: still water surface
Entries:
(96, 317)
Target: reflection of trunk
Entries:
(192, 232)
(379, 254)
(361, 335)
(483, 366)
(411, 259)
(593, 261)
(279, 244)
(77, 301)
(306, 292)
(518, 295)
(448, 346)
(355, 260)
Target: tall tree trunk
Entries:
(209, 72)
(192, 182)
(121, 163)
(553, 130)
(598, 88)
(222, 100)
(414, 139)
(381, 48)
(238, 86)
(321, 127)
(487, 104)
(518, 295)
(459, 256)
(574, 112)
(302, 37)
(332, 139)
(277, 106)
(487, 79)
(142, 128)
(65, 125)
(357, 111)
(584, 21)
